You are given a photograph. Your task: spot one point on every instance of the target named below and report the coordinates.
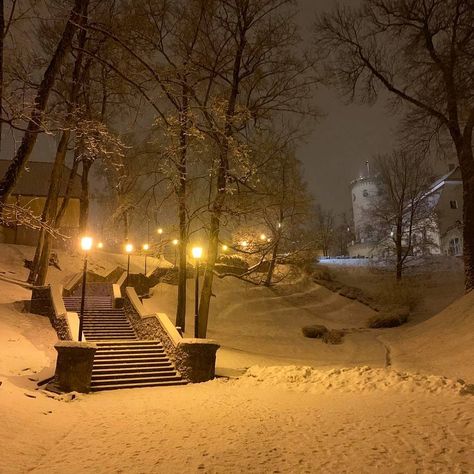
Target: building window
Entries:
(453, 204)
(455, 246)
(353, 197)
(365, 193)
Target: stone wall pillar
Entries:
(195, 359)
(74, 366)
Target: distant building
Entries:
(31, 191)
(445, 196)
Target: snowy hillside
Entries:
(307, 406)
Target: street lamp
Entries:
(128, 250)
(86, 245)
(100, 245)
(197, 254)
(225, 248)
(263, 237)
(145, 249)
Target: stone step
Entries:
(128, 345)
(130, 352)
(157, 383)
(139, 378)
(130, 362)
(124, 368)
(139, 342)
(127, 355)
(106, 338)
(134, 375)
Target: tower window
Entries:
(365, 193)
(453, 204)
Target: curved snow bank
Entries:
(443, 344)
(358, 379)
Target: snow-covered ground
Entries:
(306, 407)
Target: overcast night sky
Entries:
(345, 138)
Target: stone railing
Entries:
(48, 301)
(195, 359)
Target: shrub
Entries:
(401, 294)
(333, 336)
(233, 261)
(389, 319)
(315, 331)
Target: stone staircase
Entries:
(101, 320)
(121, 360)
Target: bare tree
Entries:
(250, 47)
(324, 229)
(34, 126)
(421, 52)
(402, 215)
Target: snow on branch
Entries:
(12, 214)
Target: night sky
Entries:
(348, 135)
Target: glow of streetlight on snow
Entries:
(175, 242)
(86, 243)
(160, 231)
(197, 252)
(129, 248)
(146, 247)
(100, 245)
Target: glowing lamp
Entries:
(86, 243)
(244, 243)
(175, 241)
(146, 247)
(129, 248)
(225, 248)
(263, 237)
(160, 231)
(100, 245)
(197, 252)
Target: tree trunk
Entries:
(33, 128)
(206, 293)
(84, 205)
(182, 216)
(398, 250)
(466, 162)
(182, 266)
(52, 208)
(2, 33)
(271, 268)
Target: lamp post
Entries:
(86, 245)
(145, 249)
(160, 233)
(197, 254)
(128, 250)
